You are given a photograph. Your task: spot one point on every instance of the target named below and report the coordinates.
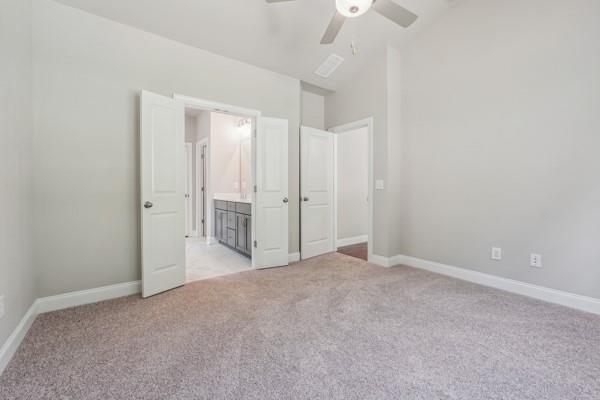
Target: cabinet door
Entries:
(248, 249)
(218, 224)
(240, 227)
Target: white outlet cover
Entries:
(496, 253)
(535, 260)
(379, 185)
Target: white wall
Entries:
(16, 267)
(352, 183)
(499, 141)
(313, 110)
(224, 153)
(87, 73)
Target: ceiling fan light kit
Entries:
(353, 8)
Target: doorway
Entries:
(336, 190)
(235, 211)
(353, 148)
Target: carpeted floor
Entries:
(332, 327)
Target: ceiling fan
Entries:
(355, 8)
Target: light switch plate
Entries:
(1, 306)
(379, 184)
(496, 253)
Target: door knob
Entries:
(305, 199)
(148, 204)
(285, 200)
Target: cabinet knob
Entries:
(148, 204)
(285, 200)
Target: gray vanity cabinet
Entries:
(221, 225)
(233, 225)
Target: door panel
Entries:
(271, 223)
(162, 172)
(317, 213)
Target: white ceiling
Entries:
(282, 37)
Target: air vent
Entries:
(329, 66)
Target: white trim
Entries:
(380, 260)
(209, 105)
(294, 257)
(369, 124)
(352, 240)
(9, 348)
(572, 300)
(73, 299)
(199, 197)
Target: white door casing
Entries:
(271, 197)
(162, 175)
(189, 190)
(317, 192)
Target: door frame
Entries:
(200, 206)
(189, 182)
(213, 106)
(340, 129)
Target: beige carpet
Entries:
(333, 327)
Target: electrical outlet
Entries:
(379, 185)
(1, 306)
(535, 260)
(496, 253)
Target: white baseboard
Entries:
(73, 299)
(352, 240)
(579, 302)
(380, 260)
(9, 348)
(294, 257)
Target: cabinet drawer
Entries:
(230, 206)
(220, 205)
(231, 219)
(243, 208)
(231, 237)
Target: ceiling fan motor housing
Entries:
(353, 8)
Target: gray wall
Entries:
(500, 139)
(313, 110)
(88, 72)
(16, 268)
(366, 97)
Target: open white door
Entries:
(316, 187)
(271, 200)
(162, 174)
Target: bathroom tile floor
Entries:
(211, 260)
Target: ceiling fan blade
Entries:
(333, 29)
(394, 12)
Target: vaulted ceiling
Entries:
(282, 37)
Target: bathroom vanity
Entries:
(233, 224)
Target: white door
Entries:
(271, 200)
(316, 188)
(162, 173)
(189, 189)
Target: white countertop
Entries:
(236, 197)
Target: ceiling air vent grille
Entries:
(329, 66)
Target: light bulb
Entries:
(353, 8)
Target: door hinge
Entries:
(255, 189)
(202, 156)
(255, 244)
(202, 189)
